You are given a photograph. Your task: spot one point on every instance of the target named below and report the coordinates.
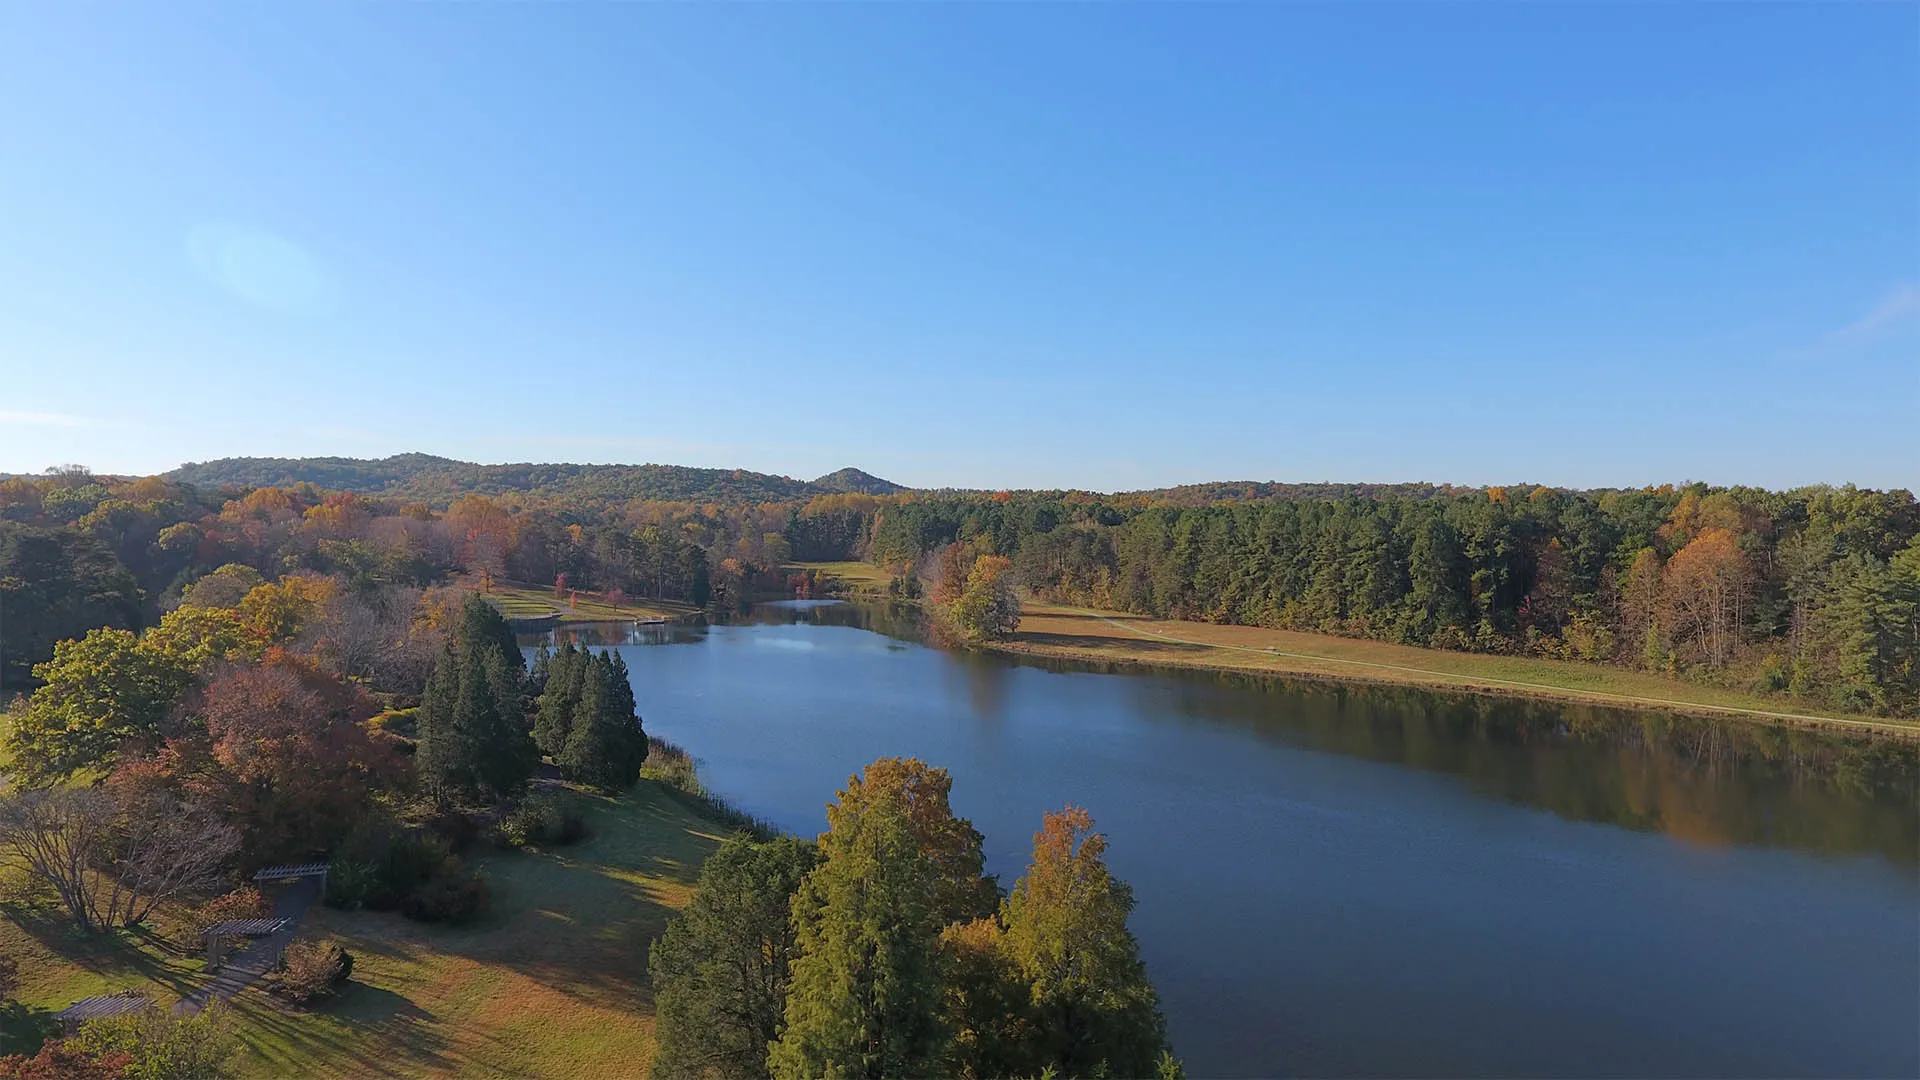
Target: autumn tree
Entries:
(105, 695)
(989, 607)
(290, 758)
(1066, 932)
(113, 854)
(720, 972)
(1640, 605)
(1705, 590)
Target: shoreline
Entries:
(1149, 649)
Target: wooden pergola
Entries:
(102, 1005)
(289, 873)
(216, 935)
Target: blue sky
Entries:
(1105, 246)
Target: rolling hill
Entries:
(438, 480)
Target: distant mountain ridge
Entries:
(438, 480)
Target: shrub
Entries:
(457, 829)
(455, 895)
(381, 865)
(161, 1046)
(245, 903)
(309, 970)
(671, 765)
(63, 1059)
(541, 819)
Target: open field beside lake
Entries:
(551, 982)
(1071, 633)
(532, 602)
(861, 579)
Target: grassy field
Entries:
(551, 983)
(530, 602)
(860, 579)
(1076, 633)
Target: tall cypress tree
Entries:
(606, 744)
(866, 993)
(474, 739)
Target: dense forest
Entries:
(1812, 593)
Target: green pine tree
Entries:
(605, 745)
(720, 971)
(866, 993)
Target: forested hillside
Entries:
(438, 481)
(1812, 594)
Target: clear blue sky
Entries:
(1107, 246)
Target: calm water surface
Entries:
(1372, 882)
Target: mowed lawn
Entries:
(859, 577)
(1054, 630)
(552, 982)
(527, 601)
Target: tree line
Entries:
(1813, 593)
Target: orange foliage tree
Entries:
(1705, 591)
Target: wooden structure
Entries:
(93, 1008)
(215, 936)
(269, 874)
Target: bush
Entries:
(670, 765)
(379, 866)
(161, 1046)
(540, 819)
(457, 829)
(455, 895)
(246, 903)
(310, 970)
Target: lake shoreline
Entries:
(1053, 638)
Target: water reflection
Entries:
(1709, 782)
(1705, 781)
(1337, 879)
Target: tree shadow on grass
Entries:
(365, 1028)
(136, 952)
(24, 1027)
(1108, 641)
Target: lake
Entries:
(1357, 881)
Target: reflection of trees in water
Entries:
(904, 622)
(1707, 781)
(602, 635)
(984, 679)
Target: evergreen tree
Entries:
(867, 986)
(720, 971)
(1066, 932)
(553, 721)
(474, 739)
(605, 744)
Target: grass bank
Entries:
(1070, 633)
(856, 579)
(530, 602)
(552, 982)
